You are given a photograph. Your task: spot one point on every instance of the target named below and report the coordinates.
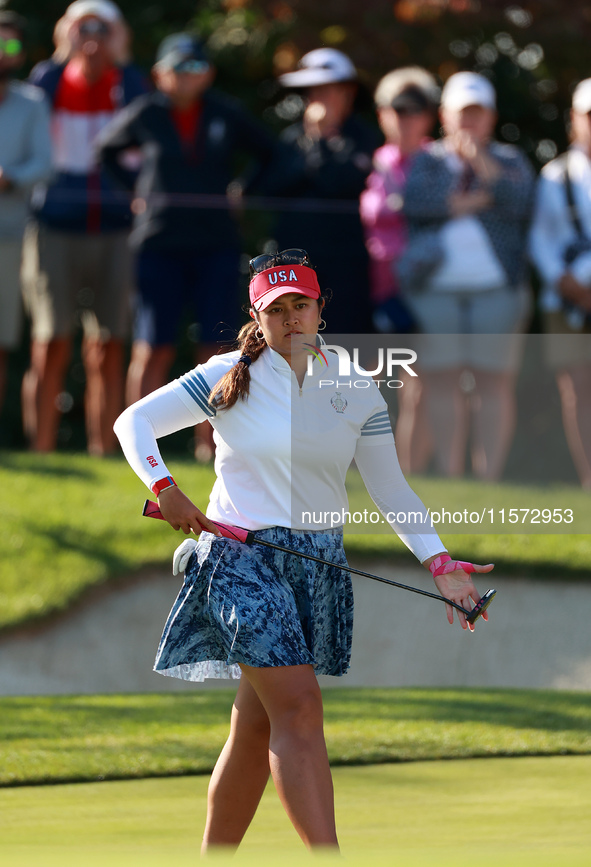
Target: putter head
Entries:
(481, 606)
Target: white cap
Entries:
(582, 97)
(103, 9)
(468, 88)
(321, 66)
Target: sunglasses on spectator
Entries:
(196, 67)
(10, 47)
(94, 28)
(293, 256)
(408, 111)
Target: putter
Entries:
(239, 534)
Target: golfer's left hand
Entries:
(459, 587)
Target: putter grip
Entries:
(152, 510)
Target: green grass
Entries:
(540, 550)
(532, 812)
(70, 522)
(84, 738)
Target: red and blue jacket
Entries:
(80, 196)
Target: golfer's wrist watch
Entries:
(163, 484)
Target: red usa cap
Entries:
(269, 285)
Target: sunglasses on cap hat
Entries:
(293, 256)
(272, 276)
(180, 51)
(408, 110)
(197, 67)
(409, 101)
(11, 47)
(94, 27)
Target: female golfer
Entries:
(285, 436)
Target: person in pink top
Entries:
(406, 103)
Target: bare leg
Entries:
(574, 384)
(448, 417)
(297, 750)
(493, 414)
(3, 368)
(42, 384)
(148, 370)
(103, 361)
(241, 772)
(414, 442)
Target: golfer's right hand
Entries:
(182, 555)
(182, 514)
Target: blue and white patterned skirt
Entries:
(261, 607)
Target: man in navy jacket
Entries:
(184, 233)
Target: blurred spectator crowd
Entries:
(123, 202)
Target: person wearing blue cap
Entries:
(190, 137)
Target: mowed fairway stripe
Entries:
(491, 811)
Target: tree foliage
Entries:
(534, 52)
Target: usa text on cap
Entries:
(269, 285)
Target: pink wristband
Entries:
(444, 564)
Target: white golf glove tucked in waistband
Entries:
(182, 555)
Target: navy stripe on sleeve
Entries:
(377, 425)
(196, 385)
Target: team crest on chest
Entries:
(338, 403)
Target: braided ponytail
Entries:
(235, 384)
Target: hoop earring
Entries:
(259, 334)
(321, 325)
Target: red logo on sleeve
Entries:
(152, 461)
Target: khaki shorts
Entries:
(11, 313)
(71, 278)
(482, 330)
(563, 346)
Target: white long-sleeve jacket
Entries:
(552, 229)
(282, 455)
